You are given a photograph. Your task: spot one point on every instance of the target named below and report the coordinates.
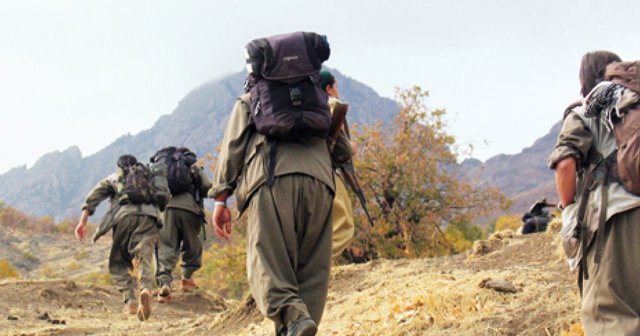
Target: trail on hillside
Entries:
(440, 296)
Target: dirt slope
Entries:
(403, 297)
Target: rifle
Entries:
(349, 173)
(338, 117)
(195, 171)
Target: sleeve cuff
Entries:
(559, 153)
(216, 190)
(88, 208)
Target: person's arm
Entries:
(103, 190)
(205, 182)
(230, 165)
(566, 180)
(573, 145)
(221, 217)
(81, 228)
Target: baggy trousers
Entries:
(179, 237)
(289, 248)
(342, 219)
(134, 237)
(611, 295)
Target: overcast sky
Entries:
(85, 72)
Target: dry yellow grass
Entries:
(439, 296)
(442, 297)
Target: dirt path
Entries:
(402, 297)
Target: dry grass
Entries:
(442, 297)
(439, 296)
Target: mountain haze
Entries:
(58, 182)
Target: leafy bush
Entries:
(407, 174)
(511, 222)
(224, 267)
(7, 270)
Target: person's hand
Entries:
(221, 220)
(81, 231)
(81, 228)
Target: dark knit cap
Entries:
(127, 161)
(326, 78)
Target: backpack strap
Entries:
(601, 171)
(271, 161)
(583, 228)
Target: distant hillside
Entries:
(58, 182)
(523, 177)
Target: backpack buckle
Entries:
(295, 94)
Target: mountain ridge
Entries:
(59, 181)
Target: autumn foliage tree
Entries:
(421, 207)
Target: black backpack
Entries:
(287, 101)
(179, 162)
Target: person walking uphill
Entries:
(136, 193)
(342, 215)
(183, 219)
(284, 181)
(588, 160)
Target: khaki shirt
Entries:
(187, 200)
(107, 188)
(580, 135)
(242, 162)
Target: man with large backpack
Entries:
(274, 159)
(601, 204)
(183, 219)
(137, 192)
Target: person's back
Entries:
(287, 187)
(590, 194)
(183, 220)
(135, 232)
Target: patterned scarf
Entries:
(605, 97)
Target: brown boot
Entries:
(164, 296)
(144, 308)
(130, 307)
(188, 285)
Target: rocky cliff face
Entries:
(57, 184)
(523, 177)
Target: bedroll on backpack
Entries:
(287, 101)
(141, 184)
(179, 163)
(627, 129)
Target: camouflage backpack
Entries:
(141, 184)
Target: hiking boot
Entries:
(188, 285)
(144, 308)
(164, 296)
(130, 307)
(303, 327)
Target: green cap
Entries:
(326, 78)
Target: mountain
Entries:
(523, 177)
(58, 182)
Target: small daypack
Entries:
(287, 101)
(142, 184)
(179, 162)
(627, 129)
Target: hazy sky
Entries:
(85, 72)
